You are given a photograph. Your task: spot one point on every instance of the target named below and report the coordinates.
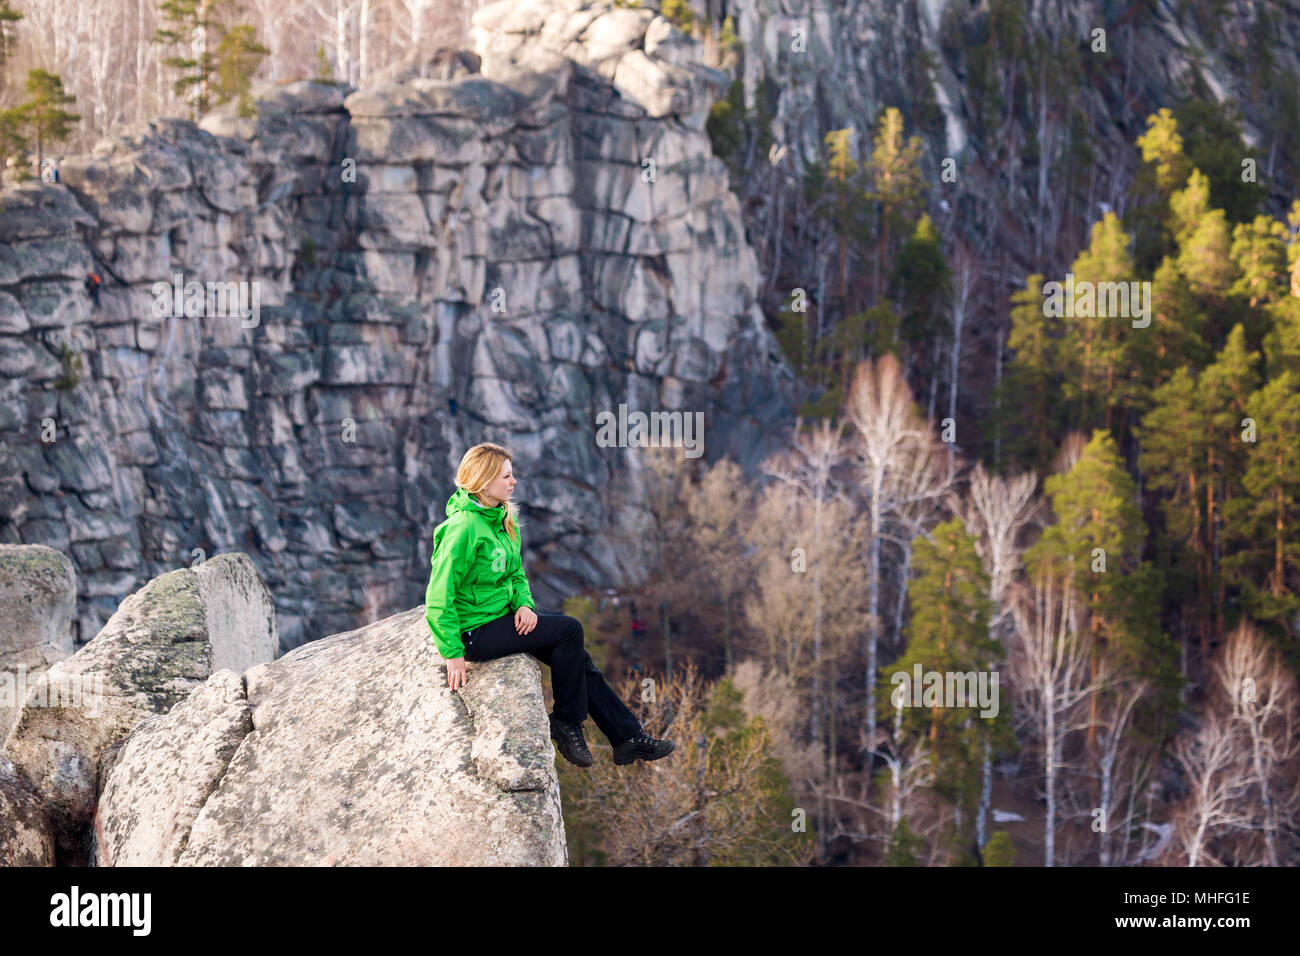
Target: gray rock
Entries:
(443, 63)
(38, 596)
(36, 209)
(165, 771)
(473, 98)
(25, 835)
(664, 41)
(359, 755)
(163, 641)
(54, 303)
(614, 33)
(83, 465)
(16, 357)
(12, 317)
(42, 258)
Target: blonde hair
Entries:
(481, 466)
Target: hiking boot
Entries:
(642, 747)
(570, 742)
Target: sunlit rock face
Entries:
(307, 316)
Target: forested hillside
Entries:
(1083, 478)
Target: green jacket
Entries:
(476, 573)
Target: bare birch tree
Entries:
(1260, 695)
(807, 468)
(911, 773)
(655, 532)
(807, 603)
(1214, 761)
(1050, 666)
(416, 12)
(997, 510)
(772, 695)
(902, 471)
(1114, 754)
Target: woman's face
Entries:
(503, 487)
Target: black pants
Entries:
(576, 682)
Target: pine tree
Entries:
(1266, 521)
(1094, 505)
(949, 633)
(190, 18)
(1029, 403)
(1099, 535)
(12, 141)
(43, 116)
(1213, 143)
(855, 337)
(793, 334)
(999, 851)
(1188, 206)
(1259, 252)
(1162, 146)
(13, 144)
(1173, 340)
(898, 185)
(1205, 257)
(8, 17)
(728, 40)
(1093, 346)
(1164, 170)
(904, 846)
(764, 805)
(1282, 341)
(680, 14)
(1225, 391)
(216, 73)
(238, 56)
(843, 169)
(1176, 441)
(325, 68)
(922, 278)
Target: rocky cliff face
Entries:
(1040, 147)
(500, 254)
(831, 64)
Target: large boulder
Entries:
(165, 771)
(38, 597)
(165, 640)
(354, 752)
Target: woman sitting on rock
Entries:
(479, 608)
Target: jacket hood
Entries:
(462, 500)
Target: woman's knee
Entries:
(572, 629)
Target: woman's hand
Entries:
(456, 673)
(525, 619)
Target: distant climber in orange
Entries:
(92, 284)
